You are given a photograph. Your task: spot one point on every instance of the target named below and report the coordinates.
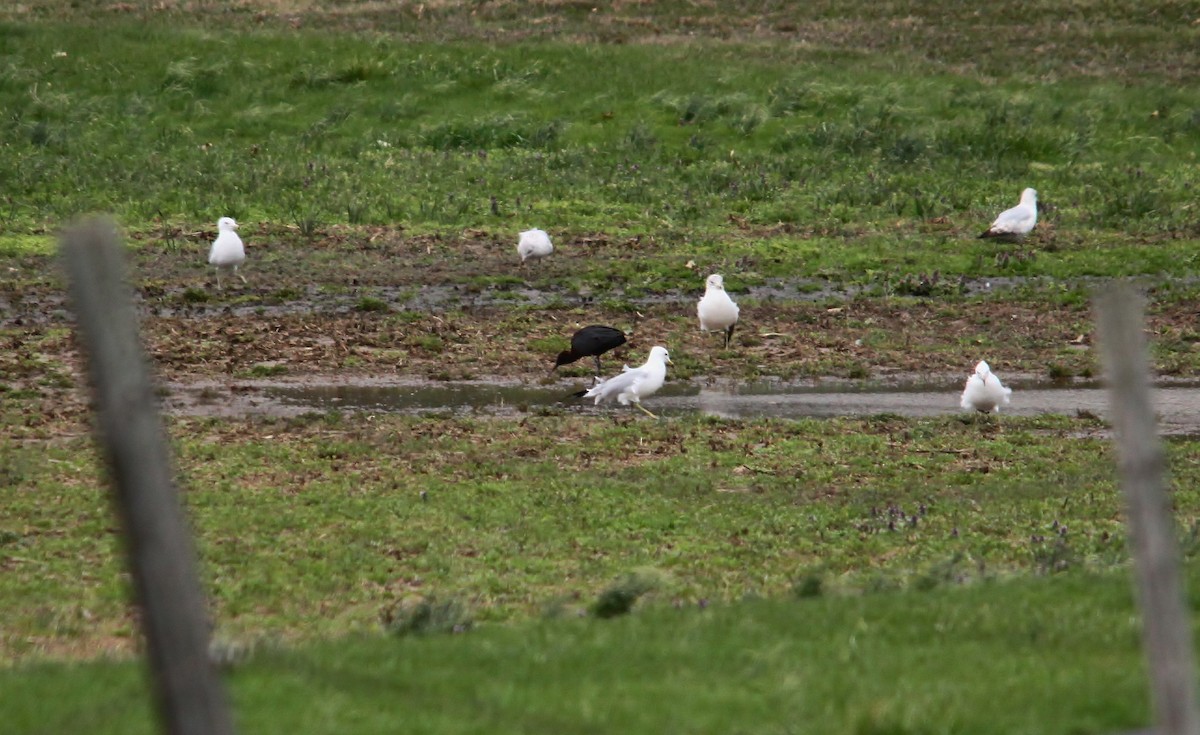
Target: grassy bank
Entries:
(936, 661)
(697, 145)
(311, 527)
(1030, 38)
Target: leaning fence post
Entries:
(134, 443)
(1167, 635)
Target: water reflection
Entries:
(1178, 406)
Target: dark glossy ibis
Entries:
(591, 341)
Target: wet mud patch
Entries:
(788, 340)
(386, 269)
(379, 304)
(1177, 403)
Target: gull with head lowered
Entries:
(534, 244)
(634, 384)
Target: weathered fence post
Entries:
(134, 444)
(1167, 634)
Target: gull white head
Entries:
(1017, 222)
(227, 250)
(716, 310)
(984, 392)
(631, 385)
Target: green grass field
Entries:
(701, 145)
(514, 523)
(1037, 656)
(869, 576)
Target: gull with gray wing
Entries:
(227, 250)
(1016, 223)
(716, 310)
(634, 384)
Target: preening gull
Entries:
(591, 341)
(634, 384)
(227, 250)
(1016, 223)
(984, 392)
(534, 244)
(716, 310)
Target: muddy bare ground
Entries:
(1177, 402)
(386, 307)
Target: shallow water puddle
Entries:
(1178, 405)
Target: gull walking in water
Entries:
(591, 341)
(716, 310)
(227, 250)
(1016, 223)
(984, 392)
(534, 244)
(634, 384)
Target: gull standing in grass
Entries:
(534, 244)
(1016, 223)
(984, 392)
(634, 384)
(716, 310)
(591, 341)
(227, 250)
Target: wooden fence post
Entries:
(134, 443)
(1167, 634)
